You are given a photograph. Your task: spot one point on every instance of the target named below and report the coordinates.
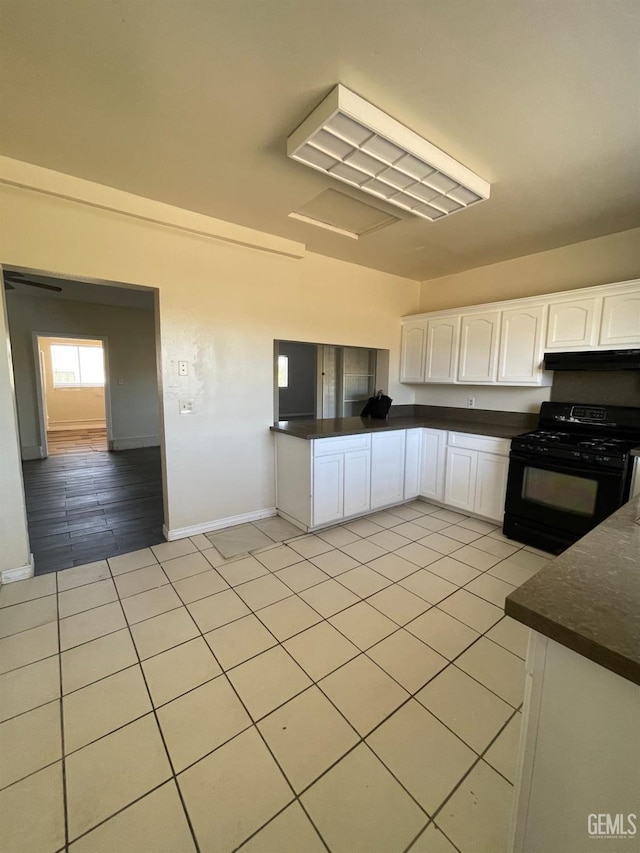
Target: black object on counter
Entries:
(377, 407)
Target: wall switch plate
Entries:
(120, 381)
(471, 402)
(186, 407)
(183, 368)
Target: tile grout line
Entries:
(65, 804)
(326, 619)
(160, 731)
(362, 739)
(255, 726)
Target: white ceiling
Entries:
(190, 102)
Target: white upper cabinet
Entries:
(621, 320)
(521, 337)
(441, 357)
(414, 338)
(572, 325)
(479, 348)
(503, 343)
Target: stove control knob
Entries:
(584, 456)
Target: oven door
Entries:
(567, 498)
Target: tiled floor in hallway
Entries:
(357, 690)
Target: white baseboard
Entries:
(34, 452)
(134, 441)
(62, 426)
(19, 574)
(218, 524)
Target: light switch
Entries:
(183, 368)
(186, 407)
(120, 381)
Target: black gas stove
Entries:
(606, 452)
(569, 474)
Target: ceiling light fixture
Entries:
(349, 139)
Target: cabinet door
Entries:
(479, 348)
(414, 336)
(432, 461)
(491, 485)
(572, 324)
(460, 478)
(412, 463)
(357, 482)
(328, 488)
(441, 359)
(621, 320)
(387, 468)
(521, 354)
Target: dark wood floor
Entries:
(84, 507)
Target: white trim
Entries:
(296, 522)
(209, 526)
(133, 441)
(27, 176)
(60, 426)
(35, 451)
(19, 574)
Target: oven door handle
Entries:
(564, 467)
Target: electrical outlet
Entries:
(471, 402)
(186, 407)
(183, 368)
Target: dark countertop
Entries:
(588, 598)
(477, 421)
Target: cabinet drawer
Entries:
(485, 443)
(341, 444)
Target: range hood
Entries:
(614, 359)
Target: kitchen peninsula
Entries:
(338, 468)
(580, 747)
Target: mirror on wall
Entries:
(325, 381)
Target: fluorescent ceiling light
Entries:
(349, 139)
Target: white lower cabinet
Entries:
(413, 447)
(491, 485)
(387, 467)
(357, 482)
(579, 756)
(476, 474)
(328, 488)
(323, 481)
(341, 478)
(432, 463)
(460, 480)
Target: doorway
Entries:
(86, 361)
(73, 402)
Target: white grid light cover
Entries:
(351, 140)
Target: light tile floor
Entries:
(358, 689)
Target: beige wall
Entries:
(220, 308)
(130, 358)
(69, 408)
(600, 261)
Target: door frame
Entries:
(158, 344)
(42, 425)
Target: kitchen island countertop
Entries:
(588, 598)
